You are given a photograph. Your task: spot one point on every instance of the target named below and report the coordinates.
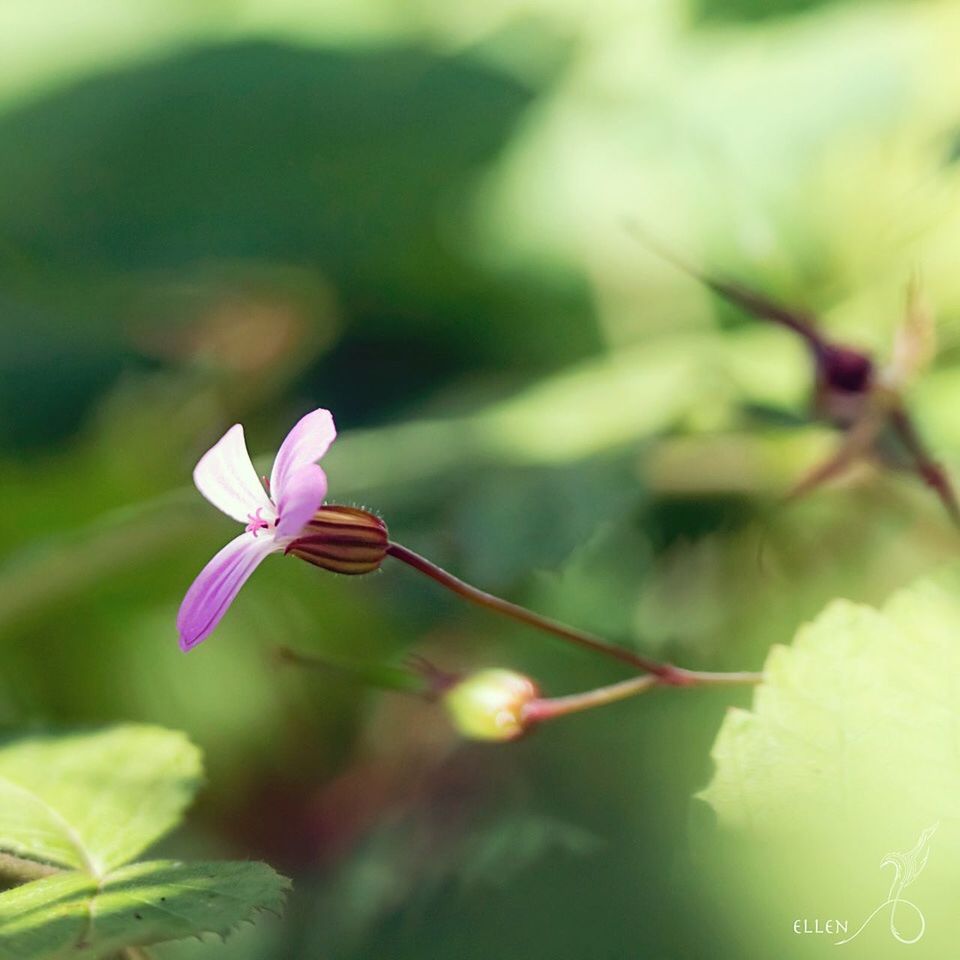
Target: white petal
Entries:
(226, 477)
(306, 443)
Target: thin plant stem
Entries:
(665, 673)
(546, 708)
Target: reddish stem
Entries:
(666, 673)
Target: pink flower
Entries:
(226, 476)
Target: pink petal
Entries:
(306, 443)
(217, 584)
(303, 492)
(226, 477)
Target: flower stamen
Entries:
(256, 523)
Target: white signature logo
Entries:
(906, 868)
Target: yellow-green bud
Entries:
(342, 539)
(489, 705)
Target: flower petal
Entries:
(226, 477)
(217, 584)
(306, 443)
(303, 492)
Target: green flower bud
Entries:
(489, 705)
(342, 539)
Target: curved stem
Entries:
(546, 708)
(549, 707)
(665, 673)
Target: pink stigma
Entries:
(256, 523)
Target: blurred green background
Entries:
(420, 215)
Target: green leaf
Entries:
(847, 772)
(93, 800)
(856, 724)
(71, 914)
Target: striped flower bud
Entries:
(342, 539)
(490, 704)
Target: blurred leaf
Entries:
(414, 862)
(596, 406)
(750, 10)
(512, 521)
(319, 167)
(596, 586)
(509, 846)
(94, 800)
(72, 913)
